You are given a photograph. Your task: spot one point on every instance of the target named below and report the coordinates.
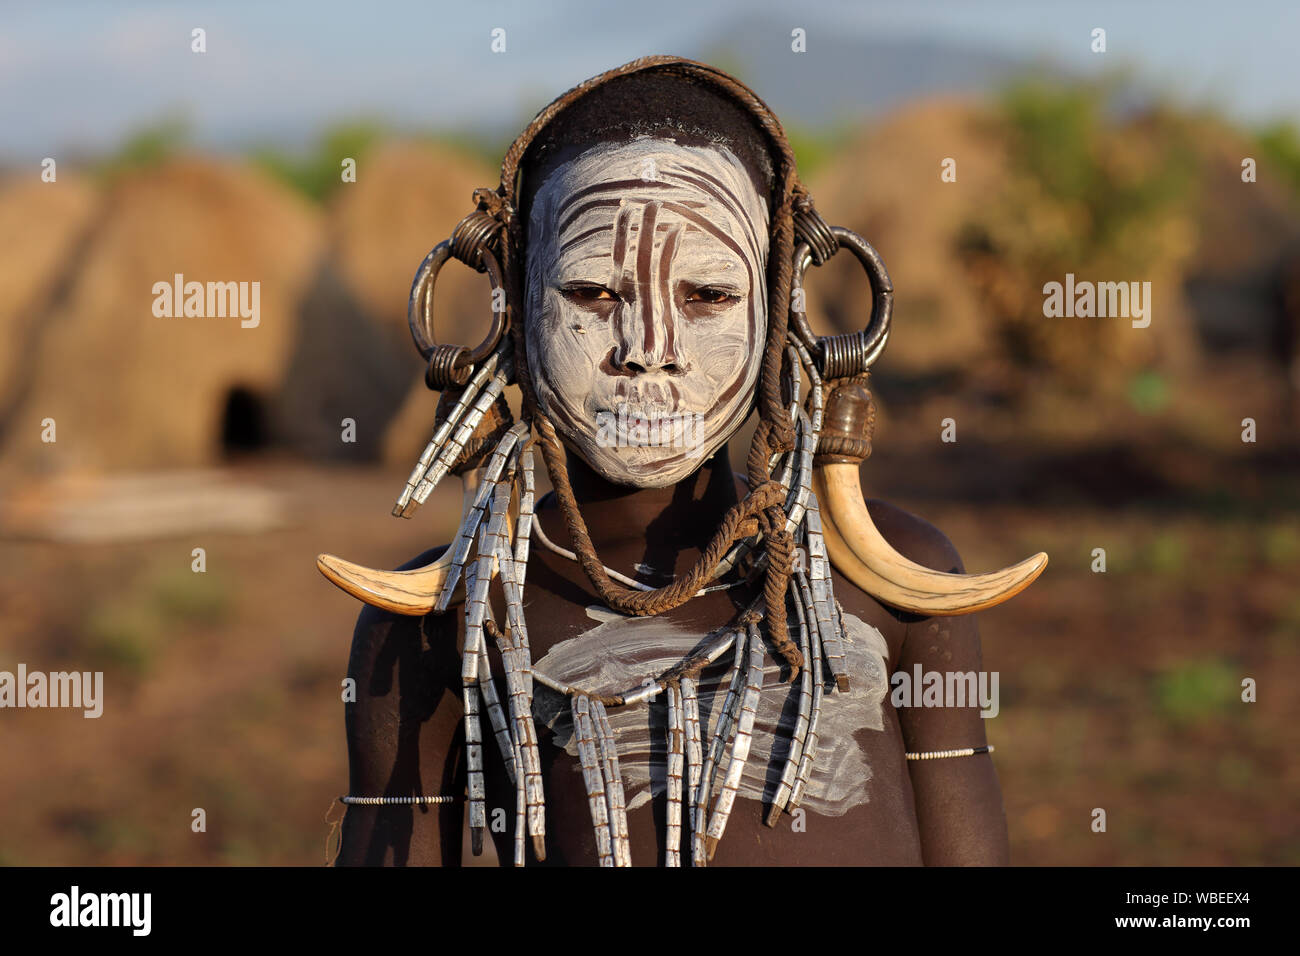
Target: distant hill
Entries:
(843, 77)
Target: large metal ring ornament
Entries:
(452, 365)
(841, 356)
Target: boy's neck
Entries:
(664, 523)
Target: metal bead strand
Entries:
(585, 736)
(823, 600)
(467, 397)
(721, 735)
(525, 735)
(797, 737)
(464, 431)
(473, 731)
(694, 754)
(810, 738)
(676, 762)
(469, 525)
(740, 743)
(488, 543)
(613, 784)
(500, 728)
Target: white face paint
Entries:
(647, 305)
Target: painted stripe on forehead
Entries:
(582, 237)
(620, 234)
(714, 187)
(594, 197)
(644, 251)
(564, 216)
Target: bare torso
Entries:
(871, 806)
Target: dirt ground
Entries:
(1119, 690)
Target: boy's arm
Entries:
(958, 800)
(401, 729)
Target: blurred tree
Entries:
(147, 146)
(316, 172)
(1103, 196)
(1280, 146)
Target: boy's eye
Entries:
(711, 296)
(588, 293)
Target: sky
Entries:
(81, 75)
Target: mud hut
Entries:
(129, 382)
(970, 257)
(407, 198)
(43, 228)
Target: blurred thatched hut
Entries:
(407, 198)
(128, 388)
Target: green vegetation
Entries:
(316, 172)
(1148, 392)
(184, 597)
(121, 636)
(814, 147)
(126, 632)
(1279, 145)
(1065, 138)
(1102, 195)
(1197, 690)
(146, 147)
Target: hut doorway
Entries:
(243, 422)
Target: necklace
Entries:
(554, 548)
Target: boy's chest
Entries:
(857, 807)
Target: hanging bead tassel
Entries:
(613, 784)
(473, 731)
(810, 738)
(823, 600)
(468, 396)
(521, 810)
(513, 645)
(514, 564)
(452, 449)
(797, 738)
(676, 762)
(519, 681)
(524, 527)
(741, 741)
(487, 544)
(690, 704)
(529, 779)
(478, 579)
(717, 747)
(469, 524)
(585, 735)
(496, 715)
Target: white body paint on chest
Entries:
(620, 652)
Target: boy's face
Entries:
(646, 305)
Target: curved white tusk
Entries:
(413, 592)
(402, 592)
(863, 556)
